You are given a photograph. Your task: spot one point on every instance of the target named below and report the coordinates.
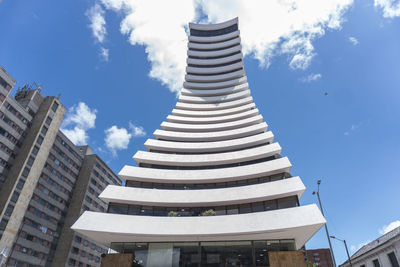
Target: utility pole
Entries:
(326, 225)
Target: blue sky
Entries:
(349, 138)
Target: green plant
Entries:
(173, 214)
(310, 264)
(209, 212)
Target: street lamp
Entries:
(326, 227)
(344, 241)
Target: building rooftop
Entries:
(376, 243)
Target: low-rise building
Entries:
(321, 257)
(382, 252)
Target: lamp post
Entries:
(326, 227)
(345, 245)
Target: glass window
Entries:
(244, 208)
(35, 150)
(147, 211)
(287, 245)
(71, 262)
(261, 253)
(9, 210)
(393, 259)
(48, 120)
(20, 183)
(188, 253)
(44, 130)
(270, 205)
(134, 210)
(376, 263)
(287, 202)
(14, 196)
(232, 209)
(55, 106)
(30, 161)
(118, 208)
(39, 140)
(258, 206)
(78, 239)
(117, 247)
(75, 250)
(220, 210)
(159, 211)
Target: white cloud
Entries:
(384, 230)
(268, 29)
(352, 128)
(158, 25)
(354, 248)
(311, 78)
(391, 8)
(119, 138)
(353, 40)
(97, 22)
(387, 228)
(78, 120)
(104, 53)
(137, 130)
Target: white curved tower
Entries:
(212, 189)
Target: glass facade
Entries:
(274, 204)
(215, 254)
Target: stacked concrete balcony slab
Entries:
(212, 156)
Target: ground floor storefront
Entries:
(216, 254)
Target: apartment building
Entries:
(45, 182)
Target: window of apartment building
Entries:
(29, 237)
(20, 183)
(83, 253)
(43, 229)
(75, 250)
(14, 196)
(3, 224)
(85, 243)
(44, 130)
(25, 172)
(71, 262)
(78, 239)
(48, 120)
(3, 83)
(55, 106)
(393, 259)
(39, 140)
(362, 265)
(93, 246)
(97, 259)
(376, 263)
(30, 161)
(35, 150)
(9, 210)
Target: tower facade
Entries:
(212, 189)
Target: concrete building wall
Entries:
(74, 249)
(45, 180)
(379, 254)
(27, 168)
